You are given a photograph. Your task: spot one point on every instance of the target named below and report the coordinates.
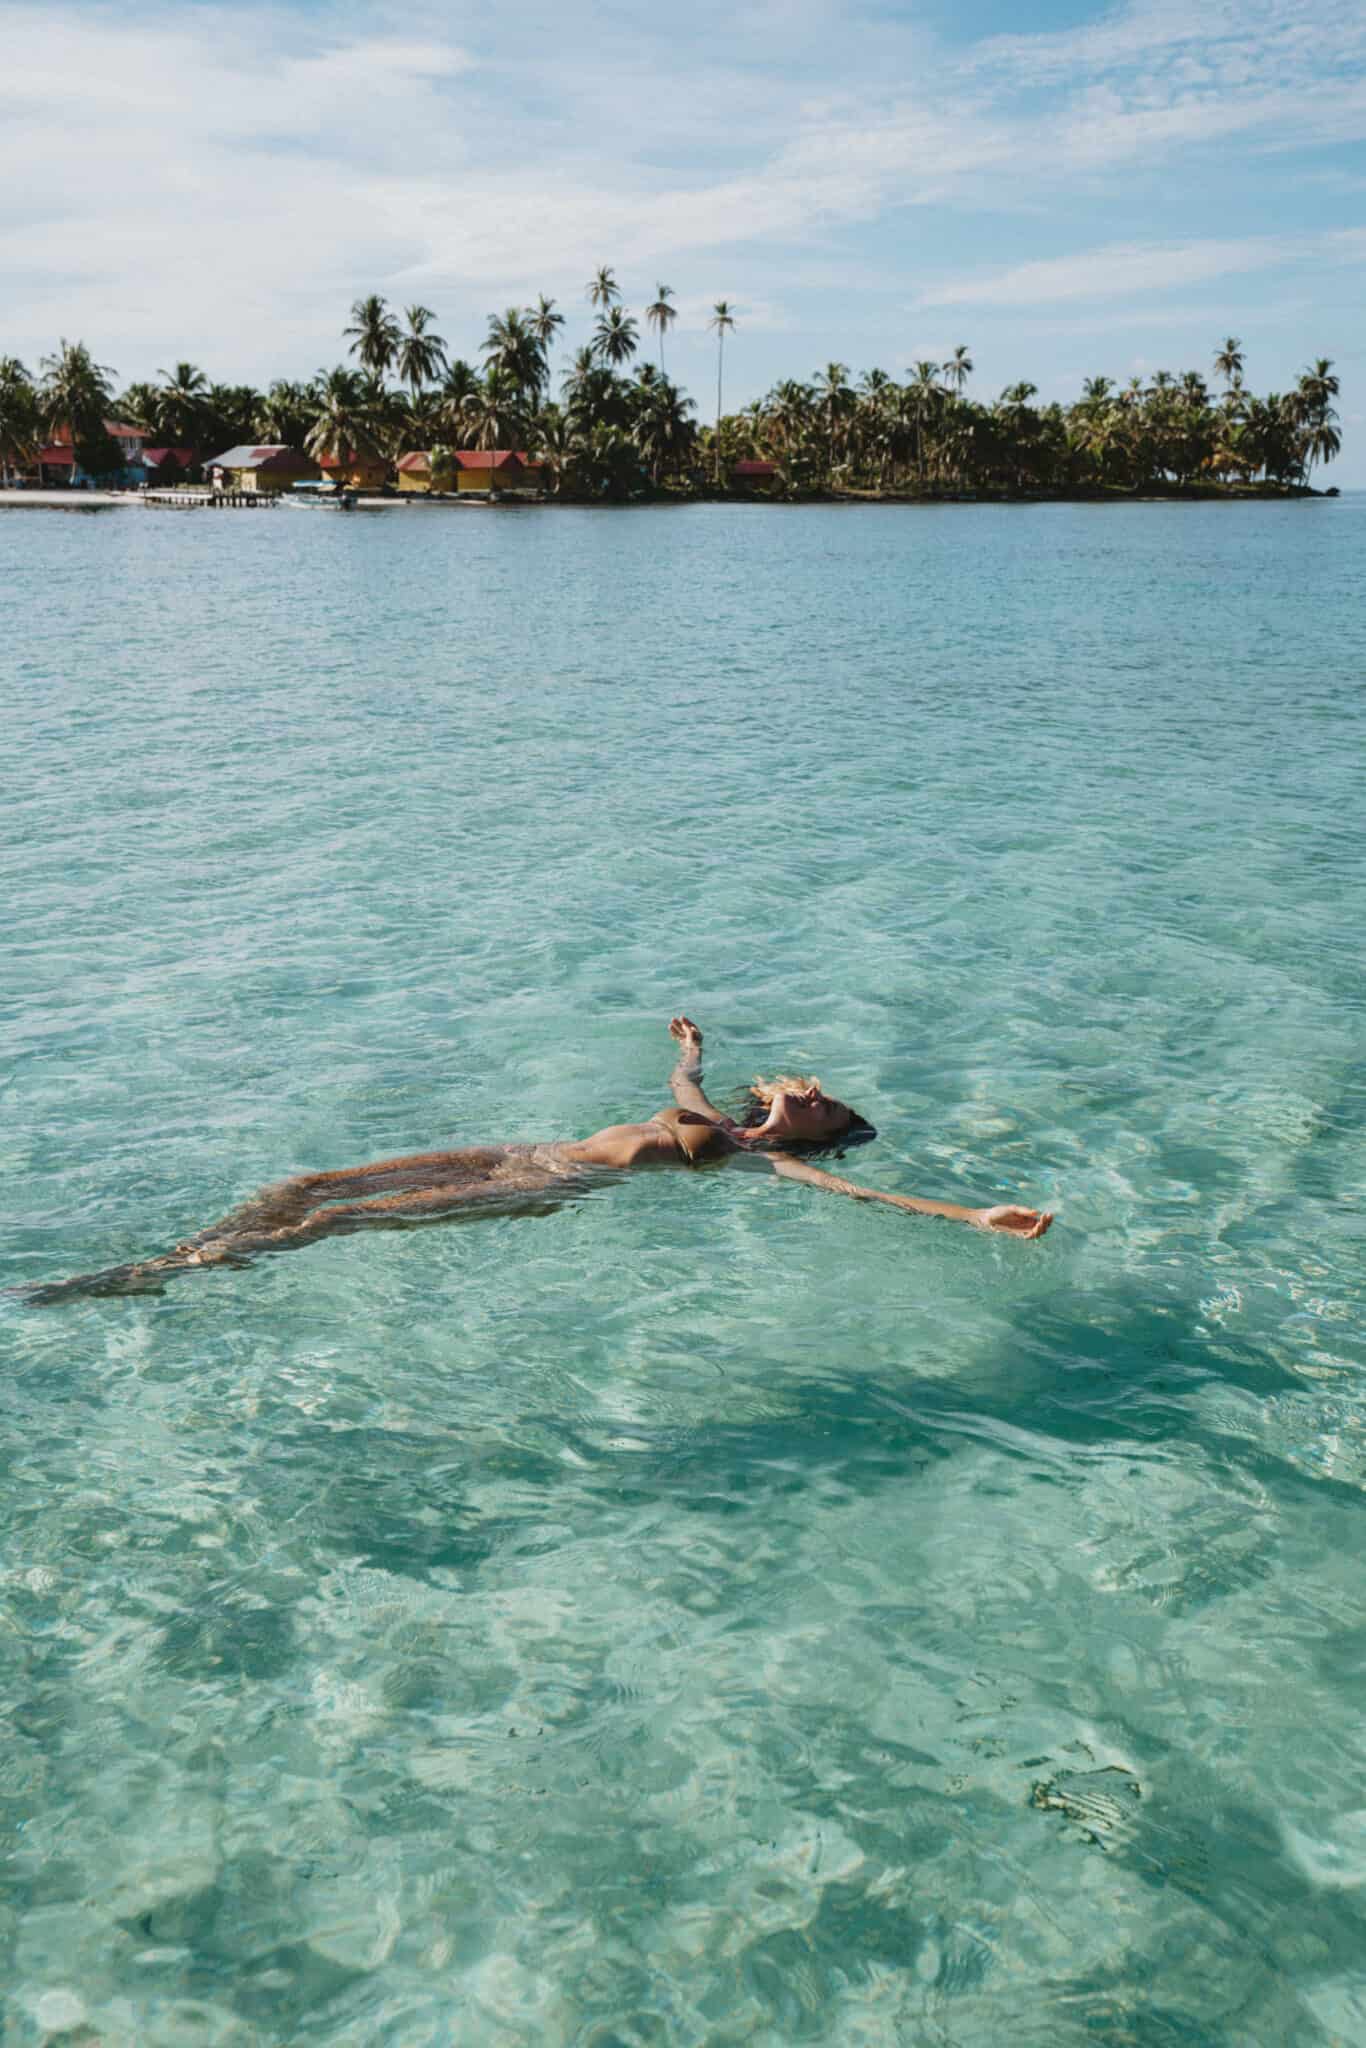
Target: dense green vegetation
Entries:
(617, 425)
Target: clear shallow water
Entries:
(696, 1616)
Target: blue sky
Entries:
(1066, 188)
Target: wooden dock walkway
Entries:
(217, 500)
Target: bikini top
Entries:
(710, 1142)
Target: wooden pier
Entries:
(216, 500)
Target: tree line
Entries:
(616, 425)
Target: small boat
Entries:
(322, 494)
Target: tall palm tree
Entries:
(458, 387)
(788, 409)
(496, 414)
(512, 346)
(1228, 361)
(75, 389)
(375, 334)
(594, 396)
(421, 356)
(18, 416)
(835, 398)
(958, 369)
(925, 395)
(663, 431)
(140, 405)
(1312, 404)
(661, 314)
(721, 323)
(1318, 386)
(341, 423)
(74, 398)
(545, 323)
(556, 445)
(229, 410)
(183, 404)
(615, 338)
(1321, 443)
(602, 290)
(873, 418)
(284, 414)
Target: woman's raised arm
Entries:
(686, 1078)
(1016, 1222)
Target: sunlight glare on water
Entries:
(713, 1612)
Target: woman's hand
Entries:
(1018, 1222)
(688, 1036)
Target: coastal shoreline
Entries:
(1187, 494)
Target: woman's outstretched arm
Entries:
(1017, 1222)
(686, 1078)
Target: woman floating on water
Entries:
(786, 1118)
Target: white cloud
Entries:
(1123, 269)
(1133, 269)
(223, 181)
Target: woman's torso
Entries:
(675, 1137)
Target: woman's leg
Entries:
(286, 1202)
(288, 1216)
(391, 1212)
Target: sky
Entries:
(1067, 189)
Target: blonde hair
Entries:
(782, 1084)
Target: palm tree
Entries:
(721, 323)
(442, 474)
(512, 346)
(375, 334)
(74, 397)
(140, 405)
(556, 444)
(18, 416)
(284, 414)
(603, 290)
(615, 338)
(229, 410)
(663, 431)
(495, 414)
(835, 396)
(75, 389)
(1228, 361)
(872, 420)
(1321, 443)
(660, 315)
(396, 421)
(788, 409)
(1312, 403)
(1318, 386)
(341, 425)
(421, 356)
(182, 403)
(958, 369)
(545, 323)
(594, 395)
(924, 396)
(458, 387)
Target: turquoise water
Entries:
(714, 1612)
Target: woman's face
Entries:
(810, 1117)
